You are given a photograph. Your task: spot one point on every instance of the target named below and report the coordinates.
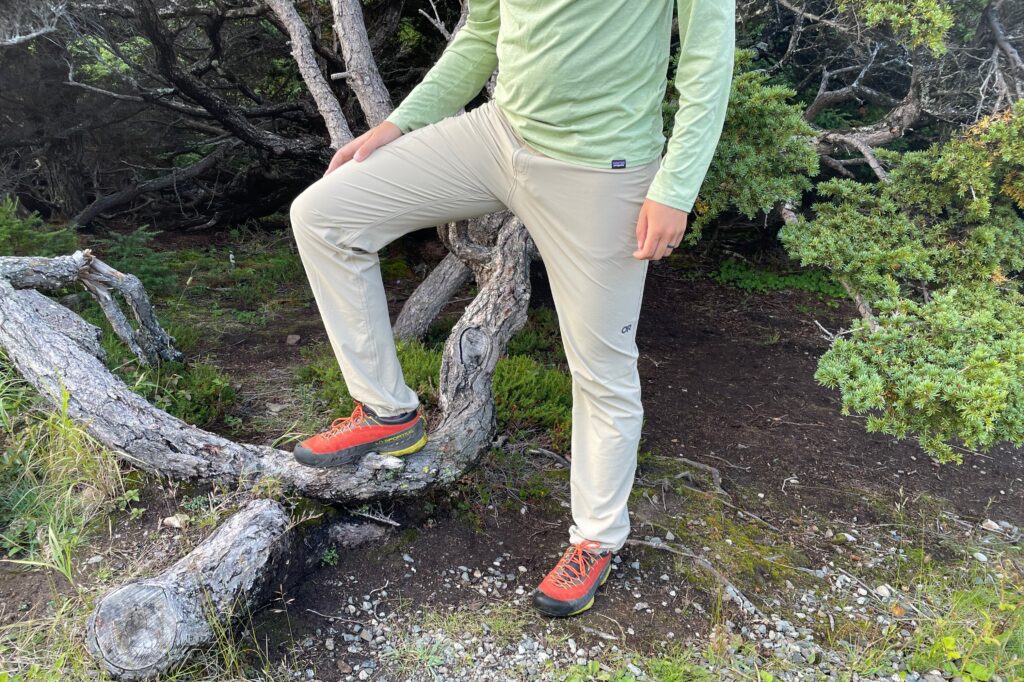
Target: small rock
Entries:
(980, 557)
(989, 524)
(177, 521)
(292, 339)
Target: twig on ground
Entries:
(598, 633)
(536, 450)
(617, 624)
(831, 336)
(380, 518)
(741, 599)
(727, 462)
(341, 618)
(716, 475)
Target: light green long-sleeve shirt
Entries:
(583, 81)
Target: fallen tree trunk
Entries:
(146, 627)
(143, 628)
(155, 441)
(436, 290)
(149, 342)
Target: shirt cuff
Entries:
(672, 193)
(399, 119)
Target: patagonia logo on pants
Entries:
(618, 163)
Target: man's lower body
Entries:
(583, 222)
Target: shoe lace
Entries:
(577, 560)
(344, 423)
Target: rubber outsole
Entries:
(399, 444)
(563, 609)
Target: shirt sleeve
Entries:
(707, 43)
(458, 75)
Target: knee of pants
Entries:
(615, 392)
(300, 211)
(308, 220)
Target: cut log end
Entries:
(134, 630)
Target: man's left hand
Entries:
(658, 226)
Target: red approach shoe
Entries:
(570, 586)
(362, 432)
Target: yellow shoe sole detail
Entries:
(587, 606)
(418, 445)
(608, 572)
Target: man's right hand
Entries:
(363, 146)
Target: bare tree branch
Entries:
(302, 51)
(363, 75)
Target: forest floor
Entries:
(859, 553)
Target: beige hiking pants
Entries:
(583, 221)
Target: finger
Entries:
(673, 244)
(649, 245)
(660, 251)
(343, 155)
(641, 232)
(366, 148)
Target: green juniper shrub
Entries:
(936, 251)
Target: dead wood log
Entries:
(149, 342)
(158, 442)
(172, 179)
(437, 289)
(145, 627)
